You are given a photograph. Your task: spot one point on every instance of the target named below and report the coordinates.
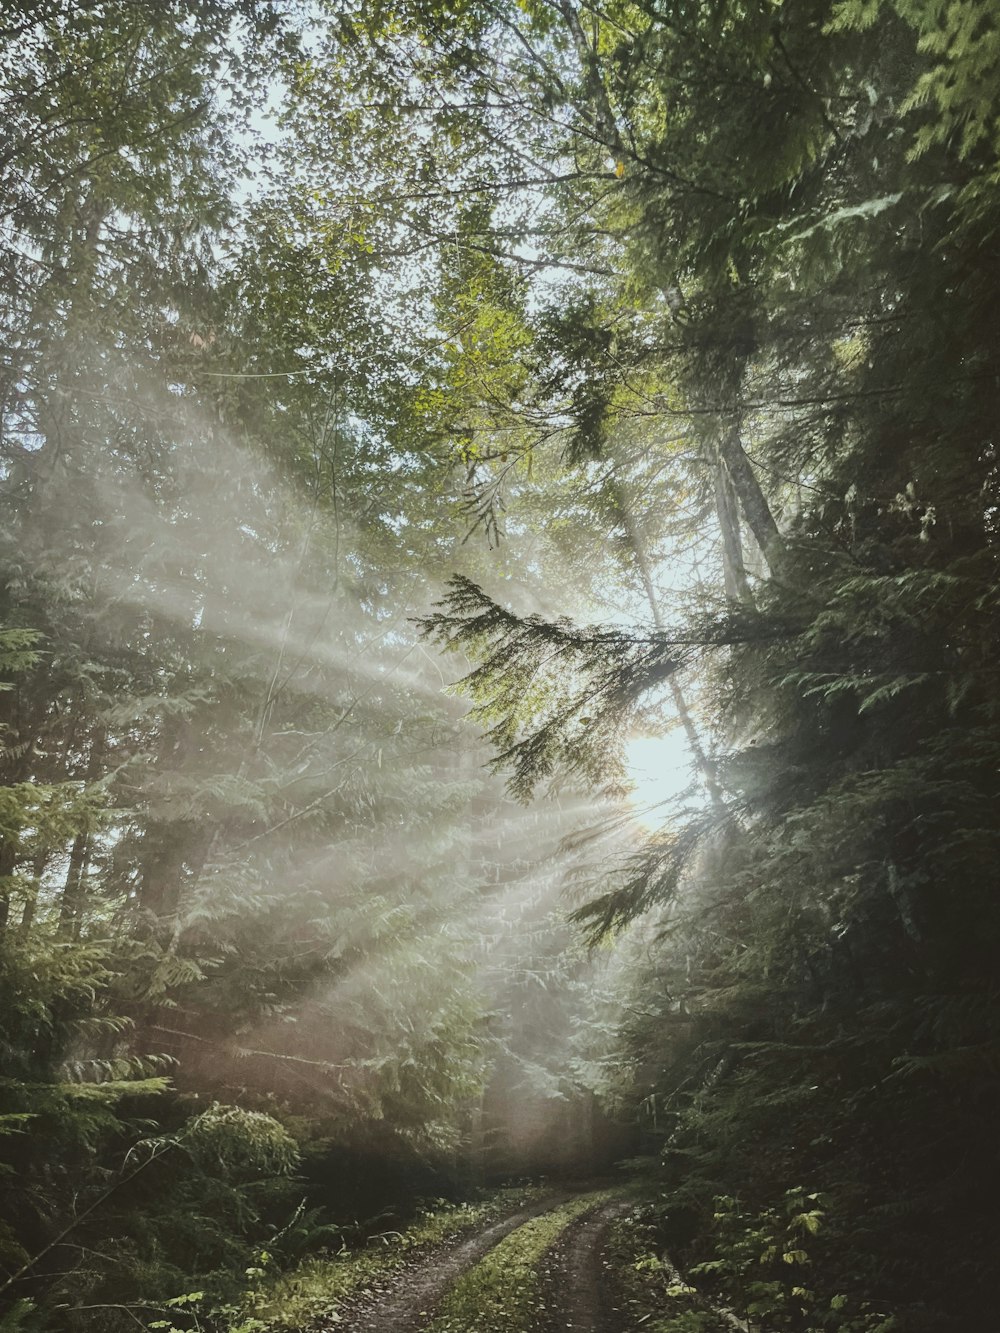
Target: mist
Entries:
(498, 731)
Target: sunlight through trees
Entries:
(498, 601)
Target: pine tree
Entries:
(799, 205)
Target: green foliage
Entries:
(766, 1257)
(556, 698)
(693, 312)
(795, 199)
(647, 1288)
(244, 1144)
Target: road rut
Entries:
(578, 1293)
(406, 1299)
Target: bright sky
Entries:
(660, 767)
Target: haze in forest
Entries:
(498, 537)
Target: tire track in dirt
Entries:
(405, 1299)
(579, 1295)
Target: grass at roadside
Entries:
(651, 1295)
(314, 1288)
(503, 1291)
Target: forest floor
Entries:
(405, 1298)
(537, 1268)
(571, 1260)
(530, 1259)
(581, 1291)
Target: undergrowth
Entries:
(649, 1293)
(761, 1270)
(315, 1287)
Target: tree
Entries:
(794, 233)
(704, 294)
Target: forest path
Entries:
(404, 1301)
(578, 1293)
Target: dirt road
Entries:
(406, 1299)
(577, 1282)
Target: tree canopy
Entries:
(404, 408)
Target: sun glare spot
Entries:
(660, 769)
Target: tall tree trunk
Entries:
(71, 908)
(603, 114)
(8, 860)
(31, 901)
(13, 769)
(753, 502)
(727, 508)
(74, 889)
(56, 328)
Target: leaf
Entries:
(869, 209)
(795, 1257)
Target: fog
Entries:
(345, 908)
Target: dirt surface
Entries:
(405, 1299)
(578, 1293)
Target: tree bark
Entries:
(752, 500)
(31, 901)
(8, 857)
(40, 368)
(74, 890)
(71, 908)
(734, 571)
(603, 113)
